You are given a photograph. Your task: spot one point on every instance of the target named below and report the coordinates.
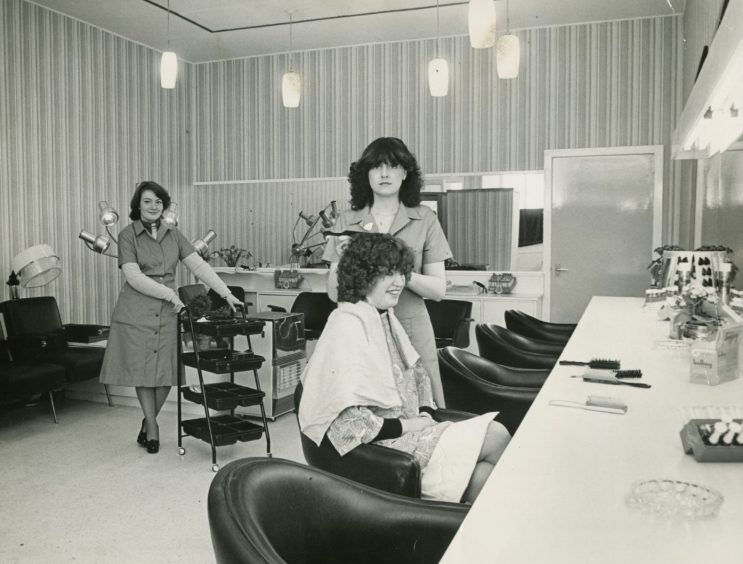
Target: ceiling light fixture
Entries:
(481, 20)
(438, 69)
(168, 63)
(508, 52)
(291, 82)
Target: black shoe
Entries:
(153, 446)
(142, 437)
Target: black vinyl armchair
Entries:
(451, 322)
(374, 465)
(36, 334)
(529, 326)
(502, 346)
(273, 511)
(316, 307)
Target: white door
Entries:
(602, 220)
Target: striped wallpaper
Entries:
(83, 118)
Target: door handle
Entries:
(559, 269)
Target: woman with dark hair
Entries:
(142, 342)
(365, 383)
(385, 198)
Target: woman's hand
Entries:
(233, 302)
(416, 423)
(178, 305)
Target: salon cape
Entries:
(351, 366)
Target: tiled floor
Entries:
(83, 491)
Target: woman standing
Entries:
(142, 343)
(385, 198)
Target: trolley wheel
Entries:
(181, 451)
(215, 467)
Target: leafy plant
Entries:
(232, 254)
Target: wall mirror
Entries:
(492, 220)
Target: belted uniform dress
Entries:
(142, 342)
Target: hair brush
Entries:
(628, 374)
(596, 363)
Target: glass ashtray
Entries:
(673, 498)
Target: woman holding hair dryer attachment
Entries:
(386, 187)
(142, 342)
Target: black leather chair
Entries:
(477, 385)
(36, 333)
(374, 465)
(451, 322)
(316, 307)
(501, 346)
(273, 511)
(529, 326)
(20, 381)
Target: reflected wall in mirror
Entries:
(492, 220)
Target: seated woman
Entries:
(364, 382)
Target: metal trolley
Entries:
(229, 428)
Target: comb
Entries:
(596, 363)
(628, 374)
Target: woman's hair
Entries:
(158, 190)
(393, 152)
(367, 258)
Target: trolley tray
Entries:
(223, 360)
(224, 395)
(227, 429)
(229, 327)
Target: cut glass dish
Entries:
(674, 499)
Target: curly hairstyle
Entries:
(367, 258)
(153, 186)
(393, 152)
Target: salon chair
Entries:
(501, 346)
(529, 326)
(274, 511)
(477, 385)
(20, 381)
(451, 322)
(374, 465)
(316, 307)
(36, 334)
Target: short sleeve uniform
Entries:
(142, 343)
(419, 228)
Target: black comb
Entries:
(628, 374)
(596, 363)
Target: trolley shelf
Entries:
(220, 361)
(224, 395)
(229, 327)
(226, 429)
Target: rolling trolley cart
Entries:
(225, 429)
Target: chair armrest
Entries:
(453, 415)
(85, 333)
(36, 347)
(374, 465)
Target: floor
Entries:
(83, 491)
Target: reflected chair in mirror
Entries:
(21, 381)
(477, 385)
(377, 466)
(274, 511)
(529, 326)
(451, 322)
(36, 332)
(502, 346)
(316, 307)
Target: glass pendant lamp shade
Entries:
(508, 56)
(481, 19)
(438, 77)
(168, 69)
(291, 89)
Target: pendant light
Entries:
(438, 69)
(508, 52)
(168, 63)
(291, 82)
(481, 19)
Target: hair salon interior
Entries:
(561, 154)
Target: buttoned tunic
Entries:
(142, 342)
(419, 228)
